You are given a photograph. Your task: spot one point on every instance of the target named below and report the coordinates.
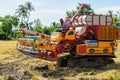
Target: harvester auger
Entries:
(90, 36)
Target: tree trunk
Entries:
(28, 21)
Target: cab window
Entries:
(71, 33)
(55, 34)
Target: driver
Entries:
(64, 26)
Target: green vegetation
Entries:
(8, 23)
(23, 12)
(88, 10)
(116, 17)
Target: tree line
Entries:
(9, 24)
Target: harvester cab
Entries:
(58, 37)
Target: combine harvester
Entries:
(91, 37)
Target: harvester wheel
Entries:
(72, 51)
(91, 51)
(89, 62)
(105, 50)
(112, 44)
(72, 62)
(62, 61)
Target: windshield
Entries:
(54, 34)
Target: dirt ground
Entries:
(17, 66)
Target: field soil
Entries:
(17, 66)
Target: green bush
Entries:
(2, 36)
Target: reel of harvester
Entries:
(36, 45)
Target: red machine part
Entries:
(34, 33)
(98, 32)
(83, 6)
(80, 9)
(92, 20)
(117, 34)
(52, 56)
(81, 49)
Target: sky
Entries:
(49, 11)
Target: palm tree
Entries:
(110, 12)
(116, 17)
(24, 13)
(87, 10)
(29, 9)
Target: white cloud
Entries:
(6, 11)
(37, 3)
(54, 11)
(105, 9)
(48, 16)
(45, 13)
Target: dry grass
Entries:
(8, 53)
(7, 49)
(7, 46)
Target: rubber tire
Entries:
(92, 51)
(105, 50)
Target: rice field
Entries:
(16, 66)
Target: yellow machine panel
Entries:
(103, 48)
(42, 44)
(56, 37)
(70, 35)
(107, 44)
(104, 33)
(99, 50)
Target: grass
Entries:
(8, 53)
(118, 41)
(7, 49)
